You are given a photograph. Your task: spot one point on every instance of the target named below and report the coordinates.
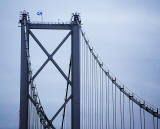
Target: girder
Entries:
(58, 26)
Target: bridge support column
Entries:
(75, 53)
(23, 116)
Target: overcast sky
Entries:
(125, 34)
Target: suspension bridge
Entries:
(94, 98)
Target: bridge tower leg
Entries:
(75, 53)
(23, 117)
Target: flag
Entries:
(39, 13)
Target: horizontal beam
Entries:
(49, 26)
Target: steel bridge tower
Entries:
(74, 28)
(102, 96)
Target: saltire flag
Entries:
(39, 13)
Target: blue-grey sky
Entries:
(125, 34)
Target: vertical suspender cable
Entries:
(87, 87)
(95, 87)
(140, 118)
(92, 92)
(144, 121)
(85, 126)
(99, 97)
(81, 89)
(96, 122)
(120, 109)
(123, 111)
(154, 123)
(91, 106)
(130, 119)
(32, 119)
(35, 120)
(132, 115)
(82, 83)
(102, 98)
(97, 79)
(157, 118)
(113, 106)
(108, 103)
(97, 94)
